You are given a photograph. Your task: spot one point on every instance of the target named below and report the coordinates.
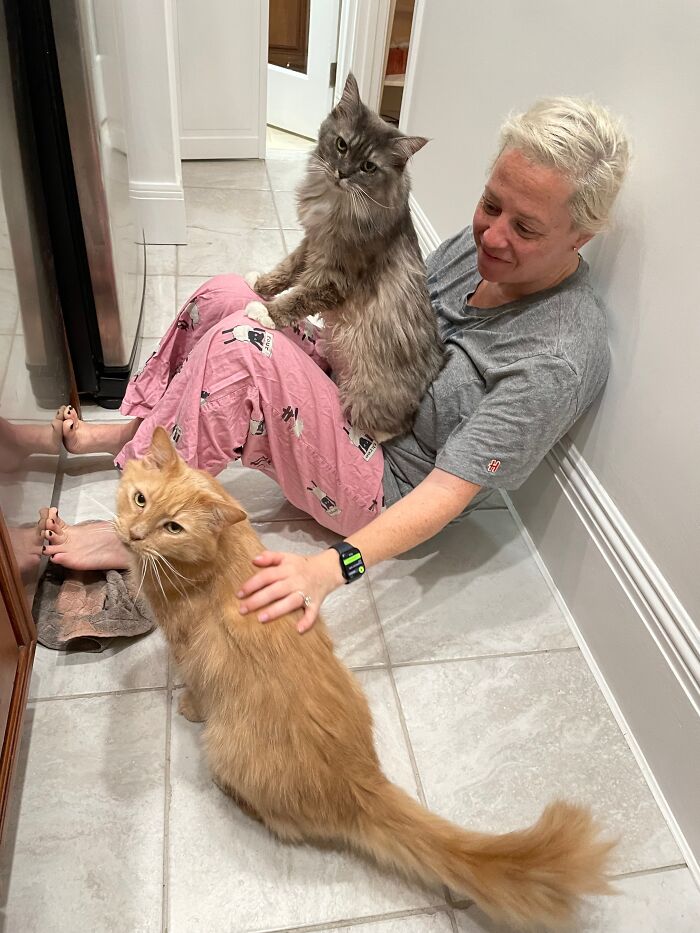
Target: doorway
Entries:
(302, 50)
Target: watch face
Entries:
(353, 563)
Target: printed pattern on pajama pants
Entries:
(225, 389)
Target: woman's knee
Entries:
(231, 288)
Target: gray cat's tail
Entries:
(534, 876)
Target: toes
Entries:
(69, 424)
(52, 551)
(67, 413)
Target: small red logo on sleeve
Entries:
(493, 466)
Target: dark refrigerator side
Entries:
(99, 255)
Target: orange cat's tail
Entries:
(533, 876)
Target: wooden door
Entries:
(289, 34)
(17, 643)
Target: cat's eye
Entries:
(368, 167)
(139, 499)
(173, 528)
(341, 145)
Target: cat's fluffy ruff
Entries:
(288, 730)
(359, 267)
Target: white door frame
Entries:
(363, 47)
(413, 46)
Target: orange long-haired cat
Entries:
(288, 731)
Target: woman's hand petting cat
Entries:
(279, 588)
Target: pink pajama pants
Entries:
(227, 389)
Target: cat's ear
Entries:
(161, 454)
(349, 102)
(227, 512)
(404, 147)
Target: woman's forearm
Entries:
(282, 578)
(413, 519)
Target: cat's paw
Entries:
(257, 311)
(188, 708)
(251, 279)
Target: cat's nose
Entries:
(340, 175)
(137, 533)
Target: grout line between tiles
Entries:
(355, 670)
(397, 700)
(227, 187)
(357, 921)
(485, 657)
(98, 693)
(233, 231)
(165, 903)
(641, 872)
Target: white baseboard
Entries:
(638, 640)
(428, 238)
(161, 211)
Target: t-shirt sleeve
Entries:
(528, 406)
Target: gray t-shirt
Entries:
(516, 378)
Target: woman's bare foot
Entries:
(84, 437)
(26, 543)
(87, 546)
(19, 441)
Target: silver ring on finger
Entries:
(307, 599)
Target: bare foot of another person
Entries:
(26, 543)
(19, 441)
(84, 437)
(87, 546)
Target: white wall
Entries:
(471, 65)
(155, 173)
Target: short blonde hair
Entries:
(581, 139)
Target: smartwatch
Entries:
(352, 566)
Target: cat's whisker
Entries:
(172, 580)
(367, 213)
(175, 570)
(161, 563)
(156, 573)
(387, 207)
(143, 577)
(161, 557)
(158, 580)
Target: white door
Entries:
(221, 67)
(299, 102)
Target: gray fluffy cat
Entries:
(360, 268)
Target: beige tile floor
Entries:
(484, 707)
